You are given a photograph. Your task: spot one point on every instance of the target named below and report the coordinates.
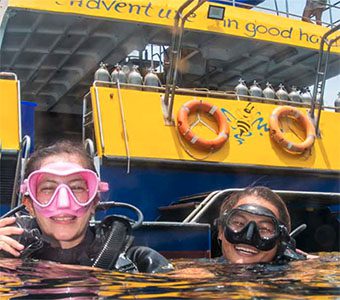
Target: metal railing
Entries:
(321, 74)
(287, 11)
(216, 198)
(22, 157)
(175, 52)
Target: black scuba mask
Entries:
(252, 225)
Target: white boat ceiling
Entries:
(56, 55)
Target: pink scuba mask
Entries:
(63, 188)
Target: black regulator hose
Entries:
(12, 211)
(109, 204)
(115, 242)
(119, 235)
(298, 230)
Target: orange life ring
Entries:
(277, 135)
(185, 130)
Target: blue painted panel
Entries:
(4, 208)
(151, 187)
(27, 120)
(180, 237)
(334, 208)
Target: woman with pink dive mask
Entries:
(63, 188)
(61, 191)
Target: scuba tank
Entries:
(102, 74)
(269, 92)
(281, 93)
(337, 103)
(151, 78)
(294, 95)
(241, 89)
(306, 96)
(318, 97)
(255, 90)
(135, 77)
(118, 74)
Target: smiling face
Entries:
(65, 227)
(245, 253)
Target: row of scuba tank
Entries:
(295, 95)
(124, 75)
(255, 90)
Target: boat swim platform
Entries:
(55, 47)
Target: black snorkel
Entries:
(287, 247)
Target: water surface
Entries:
(313, 279)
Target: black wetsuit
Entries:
(130, 258)
(145, 259)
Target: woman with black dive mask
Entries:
(254, 226)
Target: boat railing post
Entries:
(200, 212)
(322, 91)
(100, 123)
(199, 207)
(172, 50)
(22, 157)
(89, 147)
(83, 119)
(194, 216)
(287, 9)
(320, 78)
(276, 7)
(330, 13)
(177, 47)
(331, 8)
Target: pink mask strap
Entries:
(23, 187)
(103, 186)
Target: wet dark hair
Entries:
(259, 192)
(60, 147)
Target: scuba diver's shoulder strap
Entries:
(113, 235)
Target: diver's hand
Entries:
(308, 256)
(7, 243)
